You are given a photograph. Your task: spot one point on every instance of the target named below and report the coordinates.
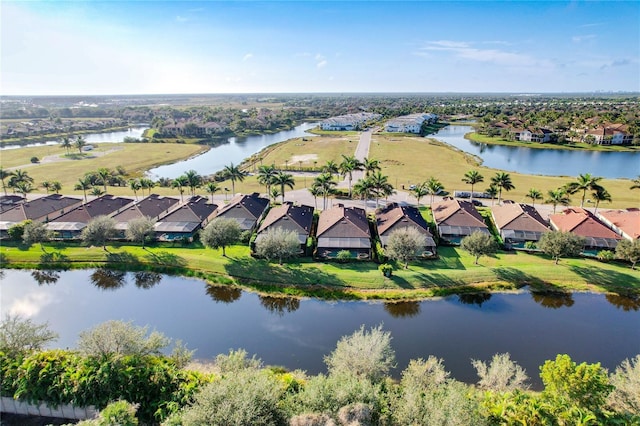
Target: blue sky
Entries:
(144, 47)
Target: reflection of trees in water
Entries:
(279, 305)
(553, 300)
(402, 309)
(108, 279)
(224, 294)
(626, 303)
(45, 276)
(474, 298)
(145, 279)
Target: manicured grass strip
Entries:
(579, 146)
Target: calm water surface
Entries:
(298, 333)
(105, 137)
(552, 162)
(233, 150)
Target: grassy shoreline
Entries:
(453, 272)
(497, 140)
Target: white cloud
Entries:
(247, 57)
(581, 38)
(181, 18)
(31, 304)
(321, 64)
(321, 61)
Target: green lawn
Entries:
(498, 140)
(453, 272)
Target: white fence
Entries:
(13, 406)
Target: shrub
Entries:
(16, 232)
(35, 159)
(605, 255)
(386, 269)
(501, 375)
(344, 256)
(20, 336)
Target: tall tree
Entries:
(3, 175)
(364, 189)
(420, 191)
(139, 229)
(492, 191)
(434, 186)
(405, 244)
(135, 186)
(534, 194)
(584, 182)
(80, 143)
(349, 165)
(19, 176)
(66, 143)
(24, 188)
(148, 184)
(381, 186)
(478, 244)
(600, 195)
(559, 244)
(104, 174)
(370, 166)
(179, 183)
(629, 251)
(235, 174)
(471, 178)
(284, 179)
(221, 233)
(326, 184)
(557, 196)
(46, 185)
(212, 187)
(83, 185)
(278, 243)
(194, 181)
(98, 231)
(265, 176)
(36, 232)
(315, 191)
(55, 186)
(502, 181)
(331, 167)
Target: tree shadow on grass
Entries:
(54, 260)
(518, 278)
(122, 258)
(610, 280)
(166, 259)
(448, 258)
(259, 271)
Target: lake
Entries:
(104, 137)
(552, 162)
(232, 150)
(299, 333)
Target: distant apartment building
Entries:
(611, 134)
(411, 123)
(533, 135)
(349, 121)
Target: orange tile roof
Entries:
(581, 222)
(627, 221)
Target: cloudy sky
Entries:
(144, 47)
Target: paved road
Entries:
(362, 152)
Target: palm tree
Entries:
(275, 193)
(212, 187)
(534, 194)
(46, 185)
(349, 165)
(135, 186)
(104, 174)
(492, 191)
(180, 182)
(3, 175)
(471, 178)
(599, 195)
(283, 179)
(381, 186)
(17, 177)
(364, 189)
(265, 176)
(315, 191)
(420, 191)
(80, 143)
(24, 188)
(83, 185)
(370, 166)
(557, 196)
(235, 174)
(194, 181)
(146, 183)
(66, 143)
(95, 191)
(434, 186)
(636, 183)
(331, 167)
(55, 186)
(326, 184)
(502, 181)
(583, 183)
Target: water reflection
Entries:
(402, 309)
(553, 300)
(146, 279)
(224, 294)
(279, 305)
(474, 298)
(45, 276)
(108, 279)
(626, 303)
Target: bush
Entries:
(20, 336)
(605, 255)
(16, 232)
(386, 269)
(35, 160)
(344, 256)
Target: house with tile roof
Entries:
(456, 219)
(41, 209)
(611, 134)
(184, 221)
(7, 202)
(518, 223)
(624, 222)
(343, 228)
(584, 224)
(71, 224)
(245, 209)
(152, 207)
(395, 217)
(289, 217)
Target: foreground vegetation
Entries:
(121, 371)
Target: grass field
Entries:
(453, 272)
(497, 140)
(310, 151)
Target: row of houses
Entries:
(338, 228)
(45, 126)
(349, 121)
(518, 224)
(597, 134)
(411, 123)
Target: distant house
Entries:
(348, 121)
(71, 224)
(152, 207)
(41, 209)
(411, 123)
(611, 134)
(533, 135)
(518, 223)
(344, 228)
(456, 219)
(583, 223)
(290, 218)
(246, 209)
(395, 217)
(186, 220)
(624, 222)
